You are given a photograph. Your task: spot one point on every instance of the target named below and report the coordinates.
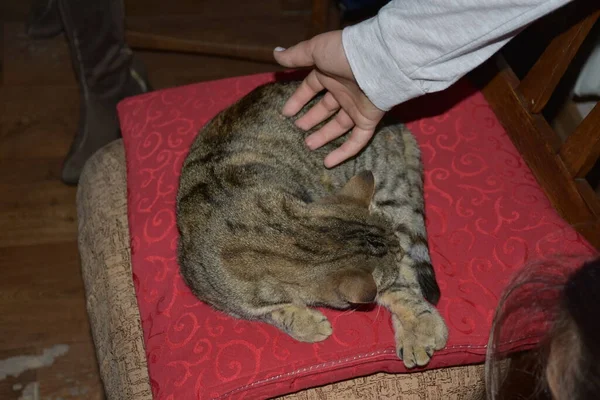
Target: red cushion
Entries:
(486, 217)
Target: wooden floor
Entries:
(41, 290)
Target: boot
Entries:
(44, 20)
(106, 71)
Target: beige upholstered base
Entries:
(106, 263)
(464, 383)
(115, 319)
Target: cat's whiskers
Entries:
(377, 315)
(350, 311)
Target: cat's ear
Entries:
(357, 287)
(359, 189)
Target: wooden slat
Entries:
(524, 131)
(589, 196)
(252, 39)
(581, 150)
(202, 10)
(541, 81)
(150, 41)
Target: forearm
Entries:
(414, 47)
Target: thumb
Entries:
(299, 55)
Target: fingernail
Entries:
(279, 48)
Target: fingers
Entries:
(319, 112)
(296, 56)
(335, 128)
(358, 139)
(308, 89)
(325, 52)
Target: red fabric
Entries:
(486, 217)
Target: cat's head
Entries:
(351, 248)
(334, 251)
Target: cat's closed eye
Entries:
(376, 246)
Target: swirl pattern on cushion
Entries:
(486, 217)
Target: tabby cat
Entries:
(266, 231)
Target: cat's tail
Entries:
(419, 250)
(428, 282)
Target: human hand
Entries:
(332, 73)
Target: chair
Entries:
(559, 166)
(106, 252)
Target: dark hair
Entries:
(581, 302)
(556, 303)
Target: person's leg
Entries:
(104, 66)
(44, 20)
(106, 71)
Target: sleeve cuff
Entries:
(374, 68)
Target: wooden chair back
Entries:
(560, 166)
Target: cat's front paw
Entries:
(302, 323)
(417, 340)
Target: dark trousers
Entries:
(104, 66)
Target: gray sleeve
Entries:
(414, 47)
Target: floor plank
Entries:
(41, 296)
(52, 224)
(35, 124)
